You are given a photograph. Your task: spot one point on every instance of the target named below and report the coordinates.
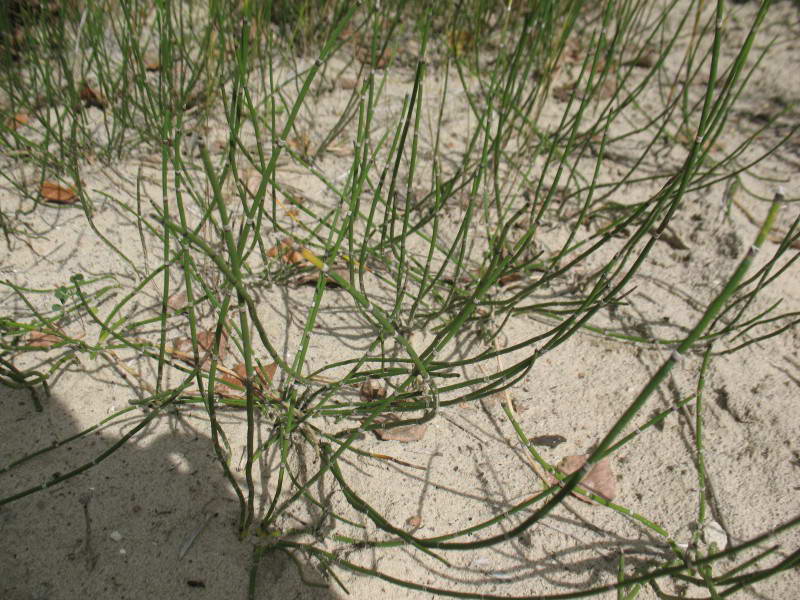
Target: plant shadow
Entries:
(156, 519)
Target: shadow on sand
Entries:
(122, 528)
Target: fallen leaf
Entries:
(370, 390)
(280, 249)
(178, 302)
(295, 257)
(600, 478)
(92, 97)
(57, 194)
(241, 372)
(205, 343)
(267, 373)
(205, 340)
(403, 433)
(224, 383)
(237, 378)
(39, 339)
(17, 120)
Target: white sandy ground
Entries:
(145, 501)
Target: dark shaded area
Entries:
(122, 529)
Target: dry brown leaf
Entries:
(370, 390)
(238, 376)
(241, 372)
(205, 342)
(39, 339)
(267, 373)
(178, 302)
(295, 257)
(286, 251)
(224, 383)
(181, 344)
(17, 120)
(58, 194)
(600, 479)
(280, 249)
(91, 97)
(404, 433)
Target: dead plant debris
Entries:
(402, 433)
(55, 193)
(40, 339)
(599, 480)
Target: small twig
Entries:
(91, 555)
(190, 539)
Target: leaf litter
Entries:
(402, 433)
(55, 193)
(600, 479)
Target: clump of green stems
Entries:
(402, 272)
